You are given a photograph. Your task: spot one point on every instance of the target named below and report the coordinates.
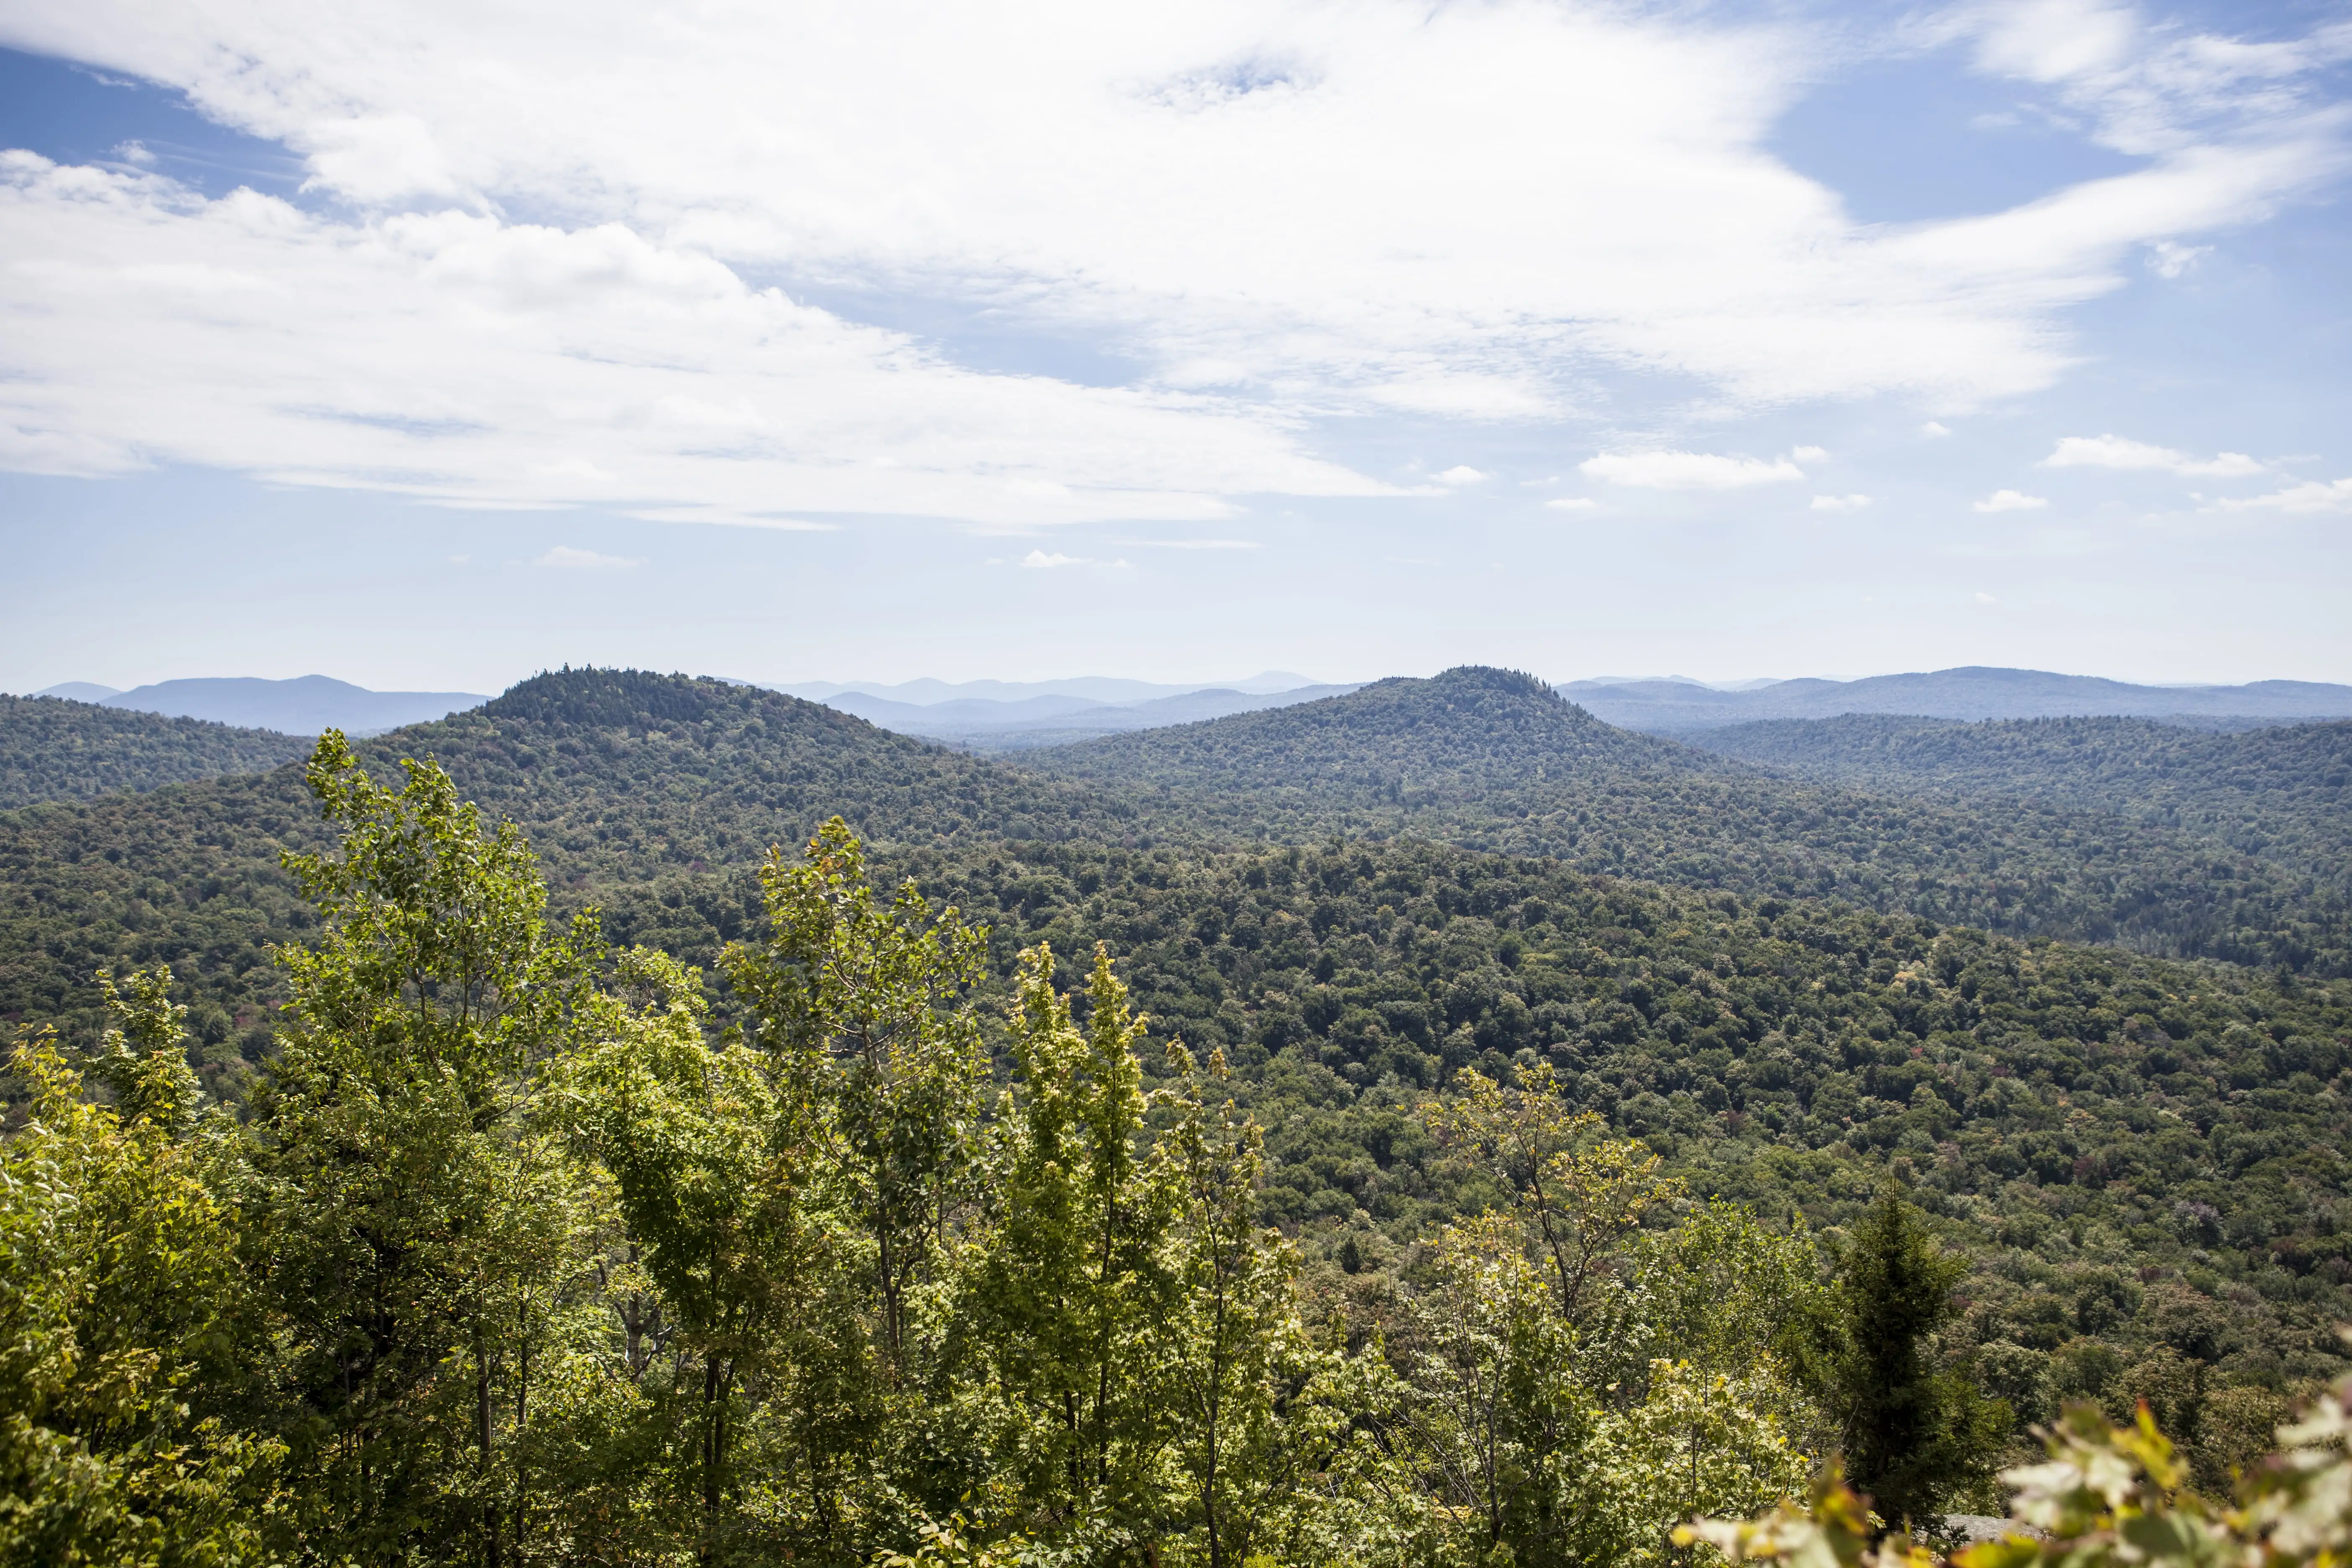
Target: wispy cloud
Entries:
(566, 558)
(1571, 503)
(2011, 500)
(459, 358)
(1840, 503)
(1686, 470)
(2167, 259)
(2313, 495)
(2117, 452)
(1089, 189)
(1049, 561)
(1462, 474)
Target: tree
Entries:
(124, 1317)
(411, 1224)
(860, 1005)
(718, 1162)
(1072, 1277)
(1916, 1434)
(1233, 1334)
(1503, 1416)
(1580, 1193)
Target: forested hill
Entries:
(1416, 742)
(2144, 1159)
(2147, 1159)
(1491, 760)
(654, 795)
(53, 749)
(2282, 791)
(626, 776)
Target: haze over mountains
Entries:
(1104, 689)
(1009, 716)
(302, 706)
(1015, 725)
(1972, 692)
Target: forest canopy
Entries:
(1020, 1173)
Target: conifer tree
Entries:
(1919, 1437)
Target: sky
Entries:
(427, 345)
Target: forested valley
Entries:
(646, 1120)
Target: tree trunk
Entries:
(711, 1455)
(490, 1530)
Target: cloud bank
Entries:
(545, 265)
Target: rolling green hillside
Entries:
(51, 749)
(653, 795)
(2143, 1159)
(2140, 1155)
(2284, 791)
(1491, 760)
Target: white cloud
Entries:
(458, 358)
(1935, 427)
(1811, 455)
(2147, 87)
(1571, 503)
(2117, 452)
(1109, 175)
(2051, 40)
(2167, 259)
(565, 557)
(1462, 474)
(1840, 503)
(1986, 599)
(1686, 470)
(2312, 496)
(2010, 501)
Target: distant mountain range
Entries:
(1056, 719)
(1102, 689)
(1007, 716)
(302, 706)
(1675, 706)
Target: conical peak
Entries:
(1491, 679)
(606, 697)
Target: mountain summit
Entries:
(1471, 727)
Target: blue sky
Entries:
(427, 349)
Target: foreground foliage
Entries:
(2107, 1497)
(516, 1261)
(1482, 1208)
